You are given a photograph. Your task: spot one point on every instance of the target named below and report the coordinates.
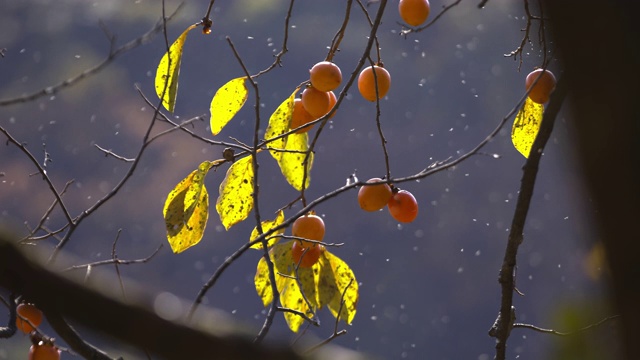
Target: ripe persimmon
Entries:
(44, 351)
(367, 83)
(543, 88)
(332, 102)
(414, 12)
(403, 206)
(29, 312)
(309, 226)
(316, 102)
(305, 253)
(300, 117)
(325, 76)
(375, 197)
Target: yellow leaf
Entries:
(336, 276)
(168, 71)
(322, 284)
(291, 298)
(266, 226)
(292, 163)
(290, 295)
(226, 103)
(289, 151)
(186, 209)
(526, 126)
(279, 123)
(263, 283)
(281, 257)
(235, 200)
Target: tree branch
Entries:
(133, 323)
(506, 318)
(51, 90)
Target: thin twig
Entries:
(176, 125)
(311, 321)
(278, 57)
(517, 53)
(9, 330)
(116, 261)
(335, 43)
(51, 90)
(560, 333)
(45, 217)
(336, 333)
(42, 171)
(109, 152)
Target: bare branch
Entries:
(42, 171)
(113, 54)
(506, 318)
(559, 333)
(109, 152)
(9, 330)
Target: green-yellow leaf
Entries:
(262, 281)
(281, 257)
(526, 126)
(226, 103)
(279, 123)
(290, 295)
(186, 209)
(292, 161)
(328, 282)
(168, 71)
(335, 280)
(289, 151)
(291, 298)
(266, 226)
(235, 200)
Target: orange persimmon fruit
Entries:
(31, 313)
(367, 82)
(414, 12)
(403, 206)
(374, 197)
(325, 76)
(542, 89)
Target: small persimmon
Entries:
(543, 87)
(31, 313)
(309, 226)
(44, 351)
(403, 206)
(305, 253)
(325, 76)
(374, 197)
(316, 102)
(367, 83)
(300, 117)
(332, 102)
(414, 12)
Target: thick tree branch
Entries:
(605, 123)
(128, 322)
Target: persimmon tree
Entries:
(300, 267)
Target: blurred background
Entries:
(428, 289)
